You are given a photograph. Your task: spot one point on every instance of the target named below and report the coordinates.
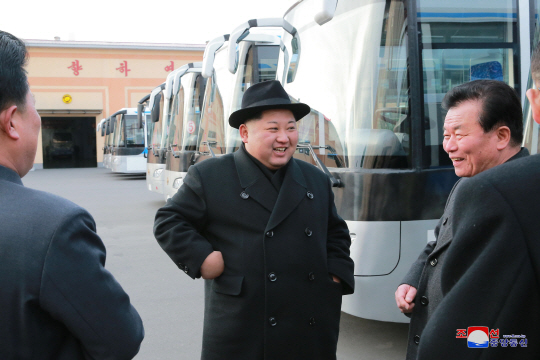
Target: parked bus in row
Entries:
(204, 123)
(154, 166)
(108, 144)
(186, 102)
(128, 155)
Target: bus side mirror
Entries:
(154, 113)
(140, 114)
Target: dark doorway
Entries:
(69, 142)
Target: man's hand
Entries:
(212, 266)
(336, 279)
(405, 295)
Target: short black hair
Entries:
(13, 80)
(257, 116)
(500, 105)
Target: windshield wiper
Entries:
(335, 182)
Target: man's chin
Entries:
(461, 173)
(279, 163)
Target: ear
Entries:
(243, 133)
(503, 137)
(8, 122)
(534, 98)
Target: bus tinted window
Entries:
(476, 40)
(134, 135)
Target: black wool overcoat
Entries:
(57, 300)
(491, 275)
(276, 298)
(426, 273)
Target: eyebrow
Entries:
(454, 128)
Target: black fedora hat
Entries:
(265, 96)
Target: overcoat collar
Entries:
(253, 181)
(257, 186)
(9, 175)
(445, 239)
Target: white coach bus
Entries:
(375, 73)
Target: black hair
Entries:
(13, 80)
(500, 105)
(256, 116)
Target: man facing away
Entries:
(263, 230)
(56, 300)
(482, 129)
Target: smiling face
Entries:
(272, 139)
(471, 149)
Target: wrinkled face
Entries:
(470, 148)
(271, 140)
(30, 124)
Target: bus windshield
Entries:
(134, 135)
(354, 71)
(354, 76)
(156, 131)
(118, 131)
(260, 64)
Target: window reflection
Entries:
(118, 131)
(149, 128)
(156, 134)
(134, 135)
(260, 65)
(177, 120)
(462, 44)
(359, 84)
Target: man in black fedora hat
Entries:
(262, 229)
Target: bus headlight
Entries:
(157, 173)
(178, 182)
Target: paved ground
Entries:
(169, 302)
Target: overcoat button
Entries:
(433, 262)
(312, 321)
(310, 195)
(417, 339)
(272, 276)
(244, 195)
(424, 301)
(270, 233)
(272, 321)
(311, 276)
(308, 232)
(445, 221)
(186, 269)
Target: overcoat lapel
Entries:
(253, 181)
(293, 190)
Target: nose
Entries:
(282, 136)
(450, 144)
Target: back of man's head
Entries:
(500, 105)
(13, 80)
